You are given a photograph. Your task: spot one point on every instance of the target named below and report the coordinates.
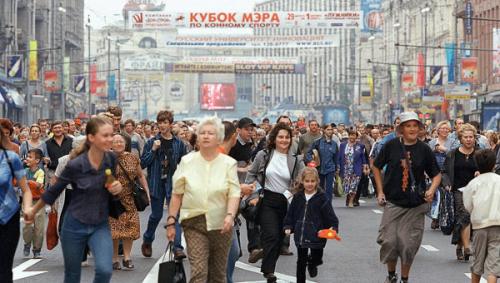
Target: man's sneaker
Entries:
(147, 250)
(391, 279)
(36, 254)
(255, 255)
(27, 250)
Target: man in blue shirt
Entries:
(327, 148)
(161, 155)
(377, 147)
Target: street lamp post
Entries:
(109, 63)
(89, 112)
(424, 12)
(119, 73)
(62, 10)
(372, 39)
(397, 25)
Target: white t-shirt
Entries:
(309, 196)
(278, 174)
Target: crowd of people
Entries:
(279, 178)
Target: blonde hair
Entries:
(308, 171)
(213, 121)
(443, 123)
(465, 128)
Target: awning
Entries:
(12, 97)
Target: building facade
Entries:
(329, 76)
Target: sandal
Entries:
(467, 254)
(127, 264)
(460, 254)
(116, 266)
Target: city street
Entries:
(354, 259)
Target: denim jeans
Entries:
(75, 236)
(326, 182)
(155, 218)
(234, 255)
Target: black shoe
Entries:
(146, 249)
(356, 203)
(313, 270)
(285, 251)
(271, 278)
(391, 279)
(256, 255)
(116, 266)
(179, 255)
(127, 264)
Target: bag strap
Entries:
(169, 250)
(267, 160)
(126, 173)
(10, 163)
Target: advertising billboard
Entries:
(490, 116)
(217, 96)
(255, 19)
(373, 18)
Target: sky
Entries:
(109, 11)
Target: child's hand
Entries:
(288, 232)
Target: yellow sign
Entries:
(33, 70)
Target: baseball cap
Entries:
(245, 122)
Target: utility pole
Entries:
(62, 10)
(88, 71)
(119, 73)
(32, 36)
(397, 26)
(109, 63)
(359, 73)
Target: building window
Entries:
(147, 42)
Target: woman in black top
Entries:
(86, 220)
(459, 169)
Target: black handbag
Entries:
(172, 270)
(141, 200)
(116, 207)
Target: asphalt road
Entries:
(354, 259)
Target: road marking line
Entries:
(251, 268)
(362, 201)
(377, 211)
(430, 248)
(470, 277)
(19, 272)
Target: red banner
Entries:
(469, 70)
(51, 81)
(421, 70)
(100, 88)
(93, 78)
(407, 82)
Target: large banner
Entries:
(14, 67)
(253, 41)
(420, 70)
(79, 84)
(217, 96)
(239, 60)
(490, 116)
(450, 60)
(292, 19)
(51, 80)
(33, 59)
(436, 76)
(496, 54)
(407, 82)
(469, 70)
(373, 18)
(452, 91)
(235, 68)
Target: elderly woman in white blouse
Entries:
(207, 192)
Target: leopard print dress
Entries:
(127, 226)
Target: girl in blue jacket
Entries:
(310, 212)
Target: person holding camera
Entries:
(404, 195)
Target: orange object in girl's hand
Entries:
(328, 234)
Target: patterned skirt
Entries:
(351, 182)
(127, 226)
(462, 218)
